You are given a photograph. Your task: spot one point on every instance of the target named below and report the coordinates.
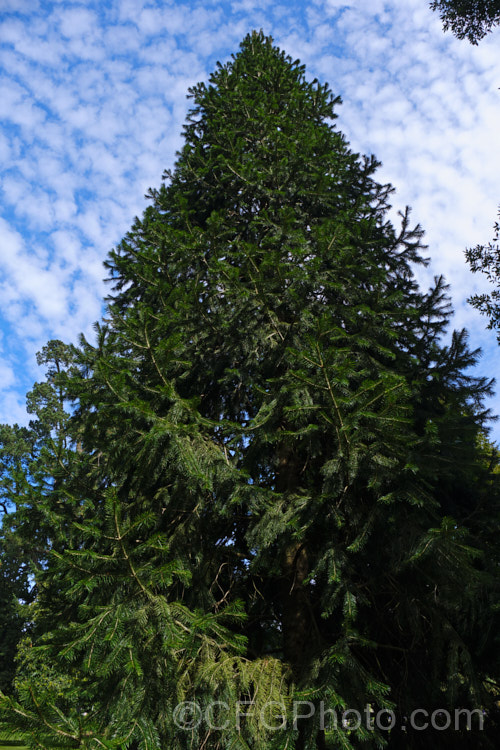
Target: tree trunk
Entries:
(296, 616)
(296, 619)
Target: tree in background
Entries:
(468, 19)
(10, 630)
(272, 487)
(486, 258)
(29, 461)
(473, 19)
(15, 584)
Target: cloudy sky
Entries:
(92, 101)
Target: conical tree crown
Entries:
(258, 142)
(268, 223)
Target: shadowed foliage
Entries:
(468, 19)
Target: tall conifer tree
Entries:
(273, 456)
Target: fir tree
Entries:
(266, 486)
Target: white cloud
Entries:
(13, 404)
(77, 22)
(7, 376)
(19, 6)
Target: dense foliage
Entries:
(273, 485)
(10, 628)
(468, 19)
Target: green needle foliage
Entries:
(271, 487)
(10, 628)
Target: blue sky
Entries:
(92, 101)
